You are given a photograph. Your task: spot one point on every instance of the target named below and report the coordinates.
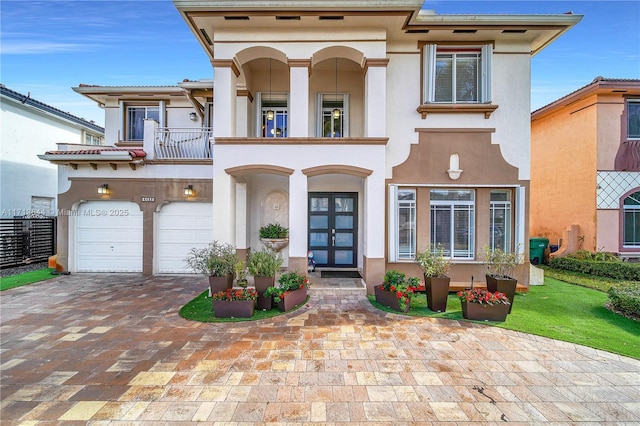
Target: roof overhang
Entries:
(109, 156)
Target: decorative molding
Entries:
(330, 169)
(252, 169)
(300, 141)
(245, 92)
(486, 109)
(455, 130)
(226, 63)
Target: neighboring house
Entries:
(585, 167)
(29, 127)
(370, 129)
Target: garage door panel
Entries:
(107, 243)
(181, 227)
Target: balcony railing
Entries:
(628, 156)
(182, 143)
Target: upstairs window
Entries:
(332, 120)
(91, 139)
(633, 119)
(133, 116)
(454, 74)
(274, 115)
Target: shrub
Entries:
(433, 262)
(274, 231)
(600, 256)
(216, 260)
(617, 270)
(626, 299)
(264, 263)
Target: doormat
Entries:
(340, 274)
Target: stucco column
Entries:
(298, 222)
(224, 207)
(375, 98)
(241, 219)
(299, 99)
(148, 143)
(374, 224)
(224, 87)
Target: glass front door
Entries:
(333, 228)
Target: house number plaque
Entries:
(148, 199)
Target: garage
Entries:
(180, 227)
(108, 237)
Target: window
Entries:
(274, 115)
(406, 224)
(453, 222)
(332, 115)
(90, 139)
(631, 212)
(42, 206)
(500, 220)
(633, 119)
(133, 116)
(457, 74)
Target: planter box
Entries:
(292, 299)
(437, 289)
(233, 308)
(503, 285)
(476, 311)
(262, 284)
(389, 299)
(217, 284)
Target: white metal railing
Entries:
(182, 143)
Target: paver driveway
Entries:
(111, 349)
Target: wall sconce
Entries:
(188, 190)
(454, 167)
(193, 116)
(103, 189)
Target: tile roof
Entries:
(134, 153)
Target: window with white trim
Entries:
(500, 220)
(135, 120)
(406, 224)
(91, 139)
(332, 115)
(453, 221)
(273, 115)
(631, 218)
(457, 74)
(633, 118)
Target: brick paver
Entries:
(112, 349)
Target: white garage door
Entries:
(181, 226)
(109, 237)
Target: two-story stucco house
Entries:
(370, 129)
(585, 168)
(29, 127)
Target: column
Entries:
(242, 241)
(299, 97)
(374, 221)
(298, 206)
(224, 208)
(375, 113)
(224, 88)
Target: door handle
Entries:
(333, 241)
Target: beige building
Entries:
(369, 129)
(585, 168)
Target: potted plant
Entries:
(499, 266)
(483, 305)
(263, 265)
(290, 292)
(274, 236)
(436, 282)
(395, 292)
(241, 274)
(234, 303)
(216, 261)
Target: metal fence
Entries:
(178, 144)
(24, 241)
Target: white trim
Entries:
(393, 223)
(520, 220)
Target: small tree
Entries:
(433, 262)
(499, 263)
(215, 260)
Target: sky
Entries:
(48, 47)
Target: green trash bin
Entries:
(537, 245)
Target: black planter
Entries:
(217, 284)
(233, 308)
(503, 285)
(390, 300)
(478, 312)
(292, 299)
(437, 289)
(262, 284)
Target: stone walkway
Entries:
(112, 350)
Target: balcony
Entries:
(628, 156)
(182, 143)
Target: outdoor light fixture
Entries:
(188, 190)
(336, 111)
(193, 116)
(103, 189)
(270, 113)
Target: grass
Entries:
(560, 311)
(25, 278)
(201, 309)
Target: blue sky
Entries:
(47, 47)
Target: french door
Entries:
(333, 228)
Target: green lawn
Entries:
(25, 278)
(560, 311)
